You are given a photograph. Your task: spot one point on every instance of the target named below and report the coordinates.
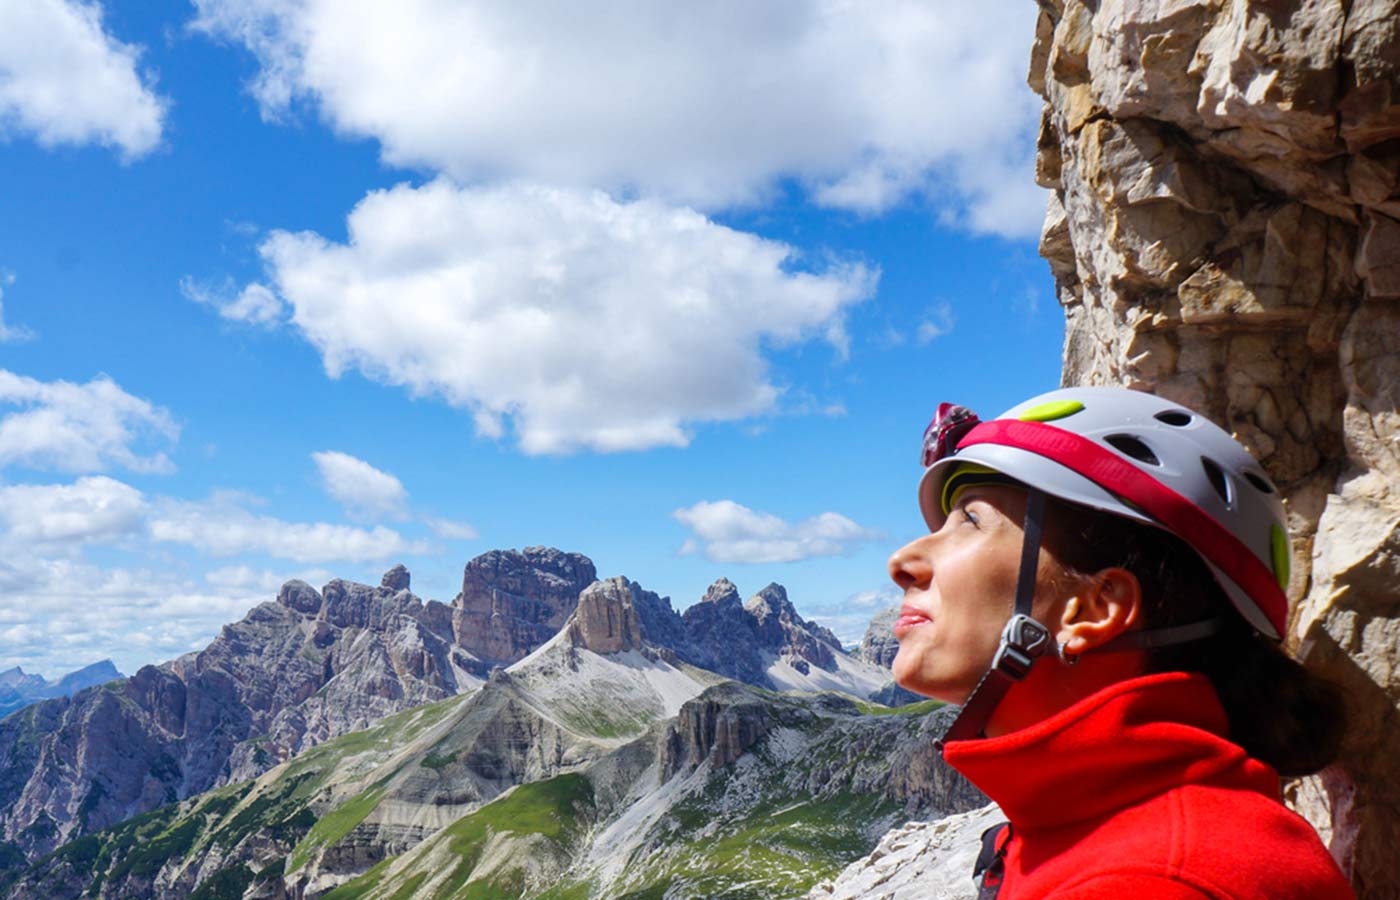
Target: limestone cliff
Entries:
(1225, 230)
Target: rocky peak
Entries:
(551, 576)
(771, 602)
(606, 620)
(348, 604)
(878, 646)
(722, 593)
(16, 679)
(396, 579)
(512, 601)
(300, 597)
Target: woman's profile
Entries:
(1102, 589)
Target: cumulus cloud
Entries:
(66, 613)
(708, 104)
(253, 305)
(363, 490)
(450, 530)
(243, 578)
(730, 532)
(221, 527)
(80, 427)
(582, 322)
(65, 80)
(89, 509)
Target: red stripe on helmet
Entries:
(1202, 531)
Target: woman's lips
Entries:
(909, 617)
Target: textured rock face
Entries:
(778, 625)
(607, 620)
(1225, 230)
(718, 727)
(513, 601)
(920, 861)
(878, 647)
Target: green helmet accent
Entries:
(1049, 412)
(1278, 545)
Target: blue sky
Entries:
(304, 289)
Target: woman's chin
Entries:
(915, 682)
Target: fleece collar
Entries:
(1114, 749)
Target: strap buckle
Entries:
(1023, 641)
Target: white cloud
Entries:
(875, 599)
(66, 614)
(10, 333)
(90, 509)
(243, 578)
(253, 305)
(79, 427)
(362, 489)
(587, 323)
(223, 528)
(64, 80)
(730, 532)
(938, 322)
(450, 530)
(709, 104)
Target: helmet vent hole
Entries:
(1259, 482)
(1134, 447)
(1218, 479)
(1175, 417)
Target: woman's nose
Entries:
(909, 566)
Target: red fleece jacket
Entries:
(1136, 793)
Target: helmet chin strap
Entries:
(1024, 640)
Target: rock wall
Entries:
(1225, 230)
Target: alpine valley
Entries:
(546, 735)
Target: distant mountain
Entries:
(294, 672)
(878, 648)
(18, 690)
(601, 765)
(764, 642)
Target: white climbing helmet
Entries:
(1135, 455)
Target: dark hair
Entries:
(1279, 712)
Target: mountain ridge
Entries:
(312, 665)
(583, 769)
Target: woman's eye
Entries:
(969, 516)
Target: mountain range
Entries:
(545, 734)
(18, 689)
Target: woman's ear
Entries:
(1107, 605)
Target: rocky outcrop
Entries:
(18, 689)
(777, 625)
(513, 601)
(919, 861)
(606, 620)
(1225, 229)
(878, 646)
(293, 673)
(717, 727)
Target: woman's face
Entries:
(959, 590)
